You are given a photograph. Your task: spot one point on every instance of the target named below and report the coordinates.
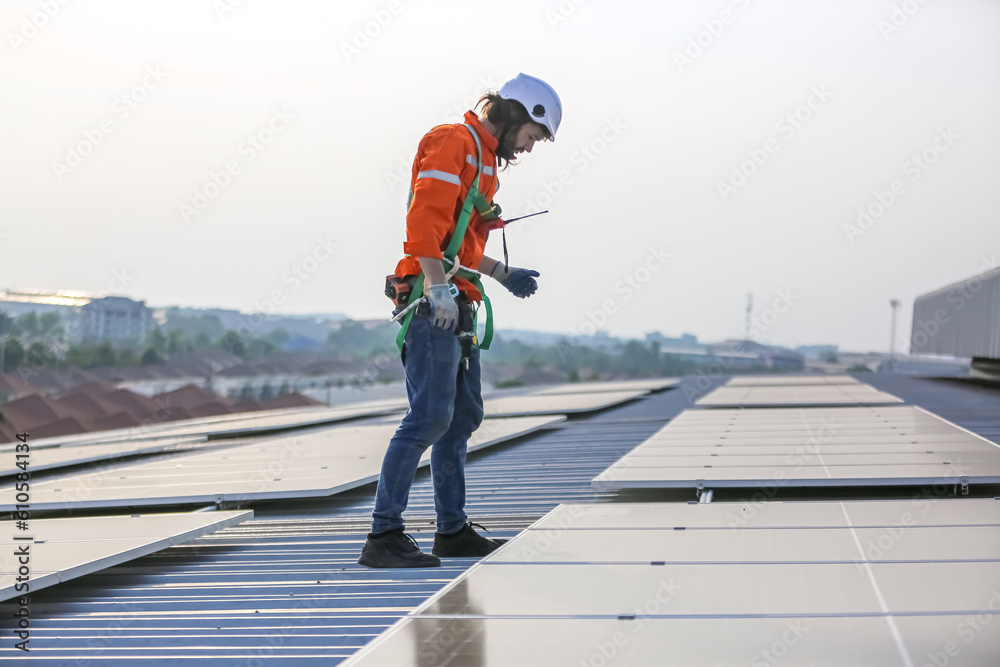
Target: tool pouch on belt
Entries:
(398, 290)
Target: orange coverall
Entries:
(443, 170)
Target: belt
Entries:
(463, 305)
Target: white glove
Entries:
(444, 310)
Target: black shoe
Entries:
(466, 543)
(395, 549)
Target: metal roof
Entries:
(284, 588)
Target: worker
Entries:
(455, 170)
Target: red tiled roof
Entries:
(7, 434)
(135, 404)
(28, 413)
(173, 413)
(191, 396)
(93, 406)
(11, 383)
(119, 420)
(67, 426)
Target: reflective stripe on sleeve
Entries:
(440, 175)
(471, 159)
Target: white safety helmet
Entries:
(538, 97)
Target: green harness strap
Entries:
(474, 199)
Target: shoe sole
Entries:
(397, 565)
(440, 553)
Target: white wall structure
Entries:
(962, 320)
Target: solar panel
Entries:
(313, 464)
(49, 458)
(657, 384)
(644, 641)
(919, 511)
(783, 380)
(898, 445)
(762, 396)
(511, 406)
(230, 425)
(879, 583)
(63, 549)
(726, 589)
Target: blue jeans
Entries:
(446, 407)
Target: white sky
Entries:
(113, 223)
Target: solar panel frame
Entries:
(901, 605)
(640, 642)
(770, 514)
(73, 547)
(51, 458)
(250, 471)
(789, 380)
(931, 451)
(650, 385)
(562, 404)
(230, 425)
(795, 395)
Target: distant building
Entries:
(686, 340)
(748, 354)
(961, 320)
(925, 365)
(116, 319)
(66, 303)
(85, 317)
(817, 351)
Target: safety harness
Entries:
(473, 200)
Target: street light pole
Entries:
(892, 336)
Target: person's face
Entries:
(523, 140)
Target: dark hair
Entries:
(509, 116)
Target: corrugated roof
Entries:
(284, 588)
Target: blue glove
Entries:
(444, 310)
(520, 282)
